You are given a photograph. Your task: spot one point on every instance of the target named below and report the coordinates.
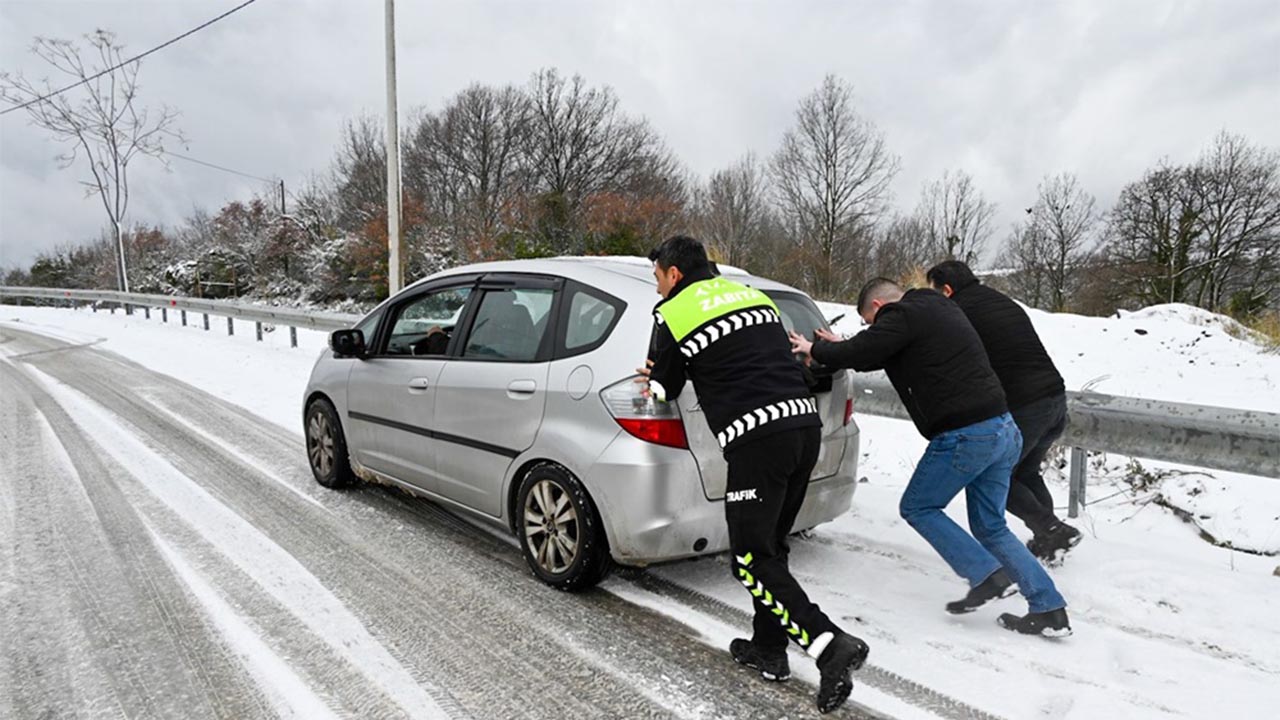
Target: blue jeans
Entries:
(979, 460)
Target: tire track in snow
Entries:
(279, 573)
(289, 694)
(99, 626)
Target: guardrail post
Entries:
(147, 312)
(113, 309)
(257, 329)
(184, 317)
(231, 326)
(1077, 500)
(206, 321)
(293, 336)
(128, 309)
(164, 315)
(94, 305)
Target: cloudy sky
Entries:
(1008, 90)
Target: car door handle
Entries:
(522, 387)
(419, 384)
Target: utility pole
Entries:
(395, 279)
(282, 209)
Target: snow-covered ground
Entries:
(1167, 625)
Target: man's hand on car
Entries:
(800, 344)
(644, 373)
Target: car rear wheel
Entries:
(326, 446)
(561, 535)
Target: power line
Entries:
(218, 167)
(133, 59)
(273, 181)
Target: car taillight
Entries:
(644, 417)
(848, 410)
(659, 432)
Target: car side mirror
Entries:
(347, 343)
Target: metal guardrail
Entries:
(1244, 441)
(1198, 435)
(258, 314)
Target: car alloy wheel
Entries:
(551, 527)
(320, 443)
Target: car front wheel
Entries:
(561, 535)
(326, 446)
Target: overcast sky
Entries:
(1007, 90)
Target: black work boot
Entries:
(837, 662)
(772, 664)
(1057, 542)
(996, 586)
(1037, 544)
(1052, 624)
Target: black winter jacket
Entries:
(1013, 347)
(749, 384)
(932, 356)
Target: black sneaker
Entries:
(996, 586)
(1058, 542)
(773, 665)
(1052, 624)
(843, 655)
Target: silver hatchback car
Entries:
(506, 390)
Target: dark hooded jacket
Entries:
(1025, 370)
(933, 357)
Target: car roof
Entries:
(602, 272)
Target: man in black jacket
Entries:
(1035, 392)
(935, 361)
(729, 340)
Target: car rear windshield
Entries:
(799, 314)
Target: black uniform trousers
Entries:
(768, 479)
(1042, 422)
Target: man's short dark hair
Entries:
(683, 252)
(876, 289)
(953, 273)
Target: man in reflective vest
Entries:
(729, 340)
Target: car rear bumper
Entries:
(654, 509)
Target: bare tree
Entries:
(582, 142)
(956, 218)
(100, 120)
(900, 249)
(734, 211)
(1238, 186)
(469, 164)
(1153, 232)
(831, 177)
(1049, 249)
(1025, 258)
(360, 173)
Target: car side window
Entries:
(590, 317)
(510, 324)
(424, 325)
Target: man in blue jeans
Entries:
(937, 363)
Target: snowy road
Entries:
(166, 554)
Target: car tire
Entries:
(560, 532)
(327, 446)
